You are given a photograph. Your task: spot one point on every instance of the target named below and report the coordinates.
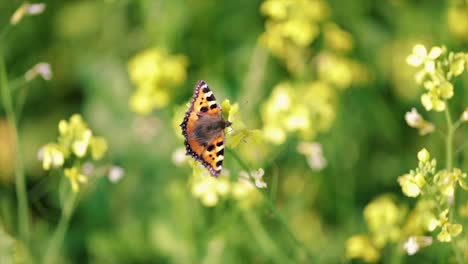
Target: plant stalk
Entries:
(275, 211)
(449, 165)
(21, 194)
(59, 234)
(449, 140)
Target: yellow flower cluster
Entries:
(390, 223)
(383, 218)
(447, 229)
(210, 190)
(155, 72)
(438, 69)
(291, 27)
(457, 19)
(74, 145)
(304, 108)
(361, 247)
(436, 188)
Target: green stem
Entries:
(457, 253)
(449, 165)
(261, 236)
(59, 233)
(21, 194)
(449, 139)
(274, 210)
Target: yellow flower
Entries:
(438, 67)
(360, 246)
(420, 56)
(291, 27)
(335, 70)
(429, 101)
(75, 177)
(337, 38)
(276, 9)
(75, 141)
(244, 191)
(80, 145)
(274, 134)
(154, 72)
(241, 189)
(301, 32)
(457, 20)
(141, 103)
(383, 218)
(75, 135)
(76, 144)
(52, 156)
(306, 108)
(411, 185)
(423, 155)
(457, 63)
(207, 188)
(464, 116)
(98, 147)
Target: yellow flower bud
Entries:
(464, 116)
(423, 155)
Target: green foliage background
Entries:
(150, 216)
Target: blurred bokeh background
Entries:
(322, 88)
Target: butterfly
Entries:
(203, 128)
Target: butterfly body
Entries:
(209, 128)
(203, 128)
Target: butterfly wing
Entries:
(213, 156)
(203, 104)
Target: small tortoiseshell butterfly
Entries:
(203, 129)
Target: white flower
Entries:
(411, 246)
(413, 118)
(415, 243)
(464, 116)
(314, 154)
(179, 157)
(27, 9)
(35, 9)
(40, 154)
(116, 173)
(257, 176)
(426, 129)
(43, 69)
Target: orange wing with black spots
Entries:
(204, 101)
(214, 155)
(203, 129)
